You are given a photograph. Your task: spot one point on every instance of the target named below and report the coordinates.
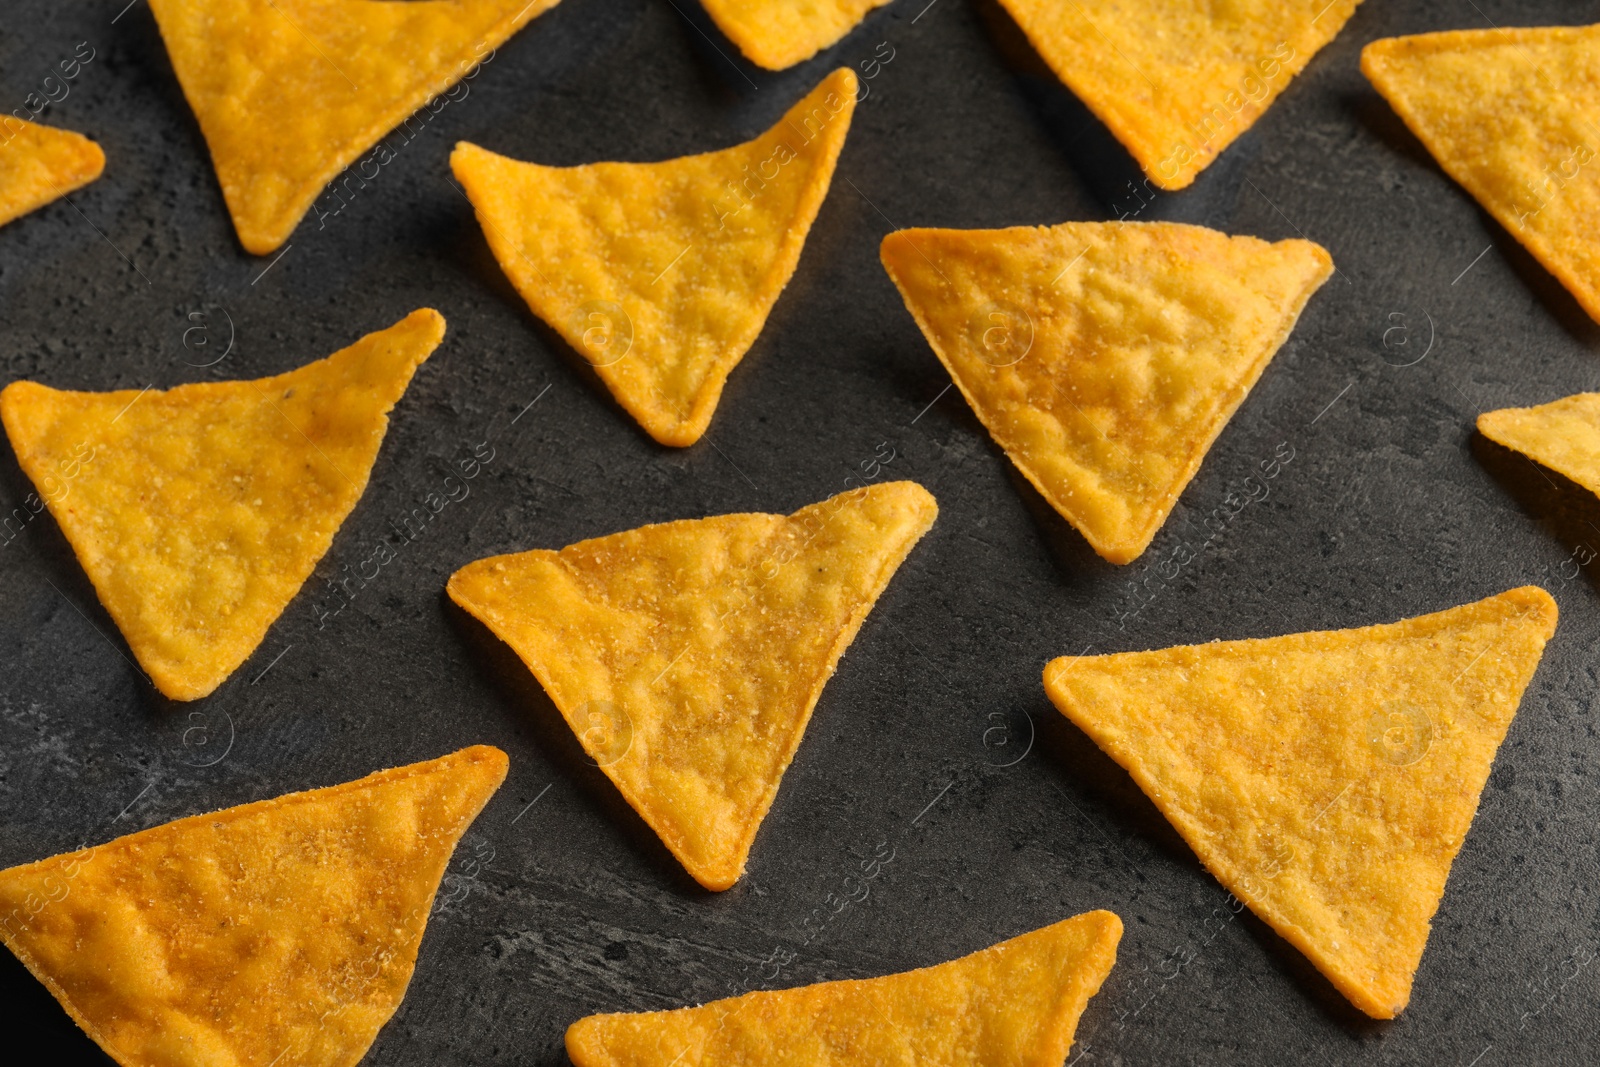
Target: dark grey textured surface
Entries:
(1388, 508)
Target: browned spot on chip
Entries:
(283, 931)
(291, 92)
(1327, 779)
(661, 275)
(1016, 1003)
(39, 164)
(199, 512)
(687, 656)
(1564, 435)
(1177, 80)
(1104, 357)
(1514, 116)
(780, 33)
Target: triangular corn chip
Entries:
(780, 33)
(1564, 435)
(1514, 116)
(1177, 80)
(1015, 1003)
(291, 92)
(200, 511)
(1104, 357)
(39, 164)
(687, 656)
(283, 931)
(1327, 779)
(661, 275)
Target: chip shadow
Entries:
(532, 706)
(1567, 510)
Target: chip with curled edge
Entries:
(1015, 1004)
(1327, 779)
(1176, 81)
(780, 33)
(1514, 116)
(687, 656)
(289, 93)
(284, 931)
(661, 275)
(198, 512)
(1105, 358)
(40, 164)
(1564, 435)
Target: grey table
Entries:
(934, 744)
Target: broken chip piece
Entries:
(1327, 779)
(39, 164)
(661, 275)
(199, 512)
(1564, 435)
(687, 656)
(1510, 114)
(1105, 357)
(1017, 1002)
(780, 33)
(1176, 81)
(289, 93)
(283, 931)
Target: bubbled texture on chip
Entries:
(283, 931)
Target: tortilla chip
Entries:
(283, 931)
(1177, 80)
(1327, 779)
(291, 92)
(200, 511)
(780, 33)
(687, 656)
(1104, 357)
(39, 164)
(1564, 435)
(661, 275)
(1017, 1002)
(1511, 115)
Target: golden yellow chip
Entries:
(1015, 1004)
(687, 656)
(1514, 116)
(661, 275)
(283, 931)
(1564, 435)
(780, 33)
(39, 164)
(291, 92)
(1327, 779)
(200, 511)
(1104, 357)
(1177, 80)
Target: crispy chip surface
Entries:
(1564, 435)
(661, 275)
(39, 164)
(200, 511)
(1514, 116)
(283, 931)
(1177, 80)
(1104, 357)
(1327, 779)
(1015, 1004)
(290, 92)
(780, 33)
(687, 656)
